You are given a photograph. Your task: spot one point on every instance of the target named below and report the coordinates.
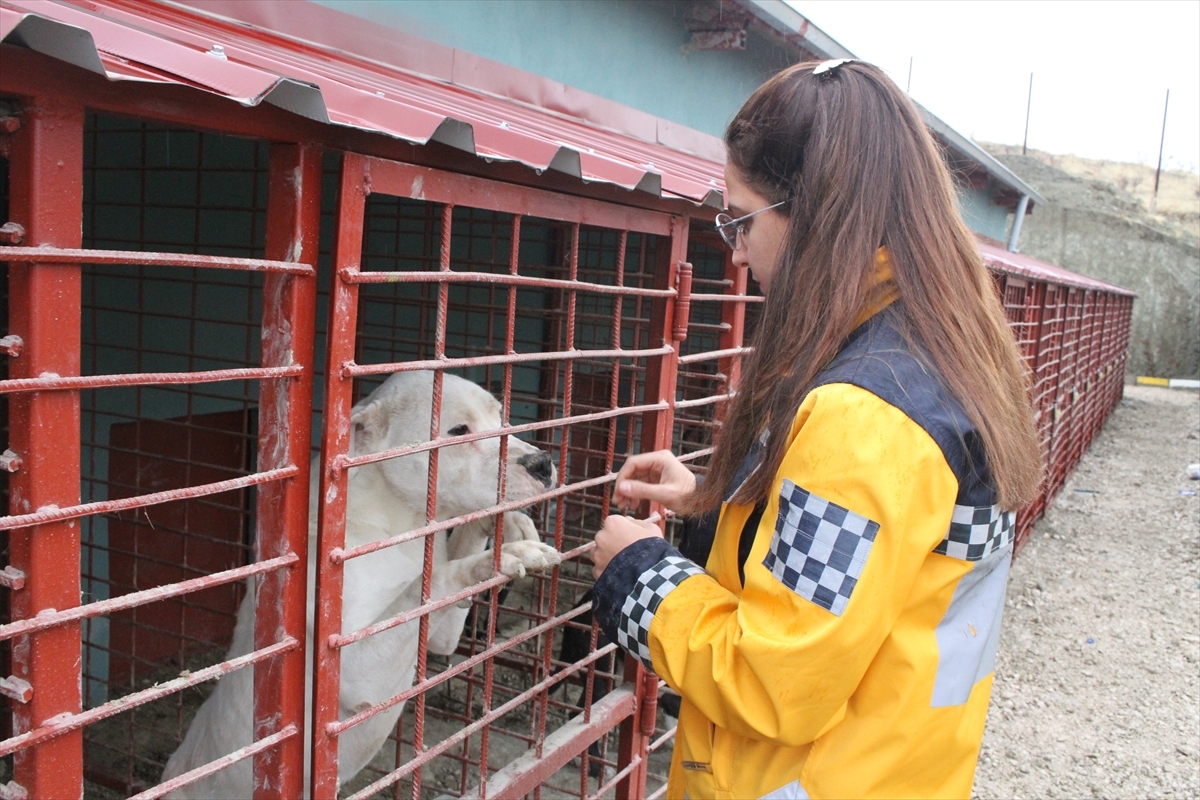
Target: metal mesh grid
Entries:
(148, 187)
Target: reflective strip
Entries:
(969, 633)
(792, 791)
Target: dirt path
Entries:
(1098, 677)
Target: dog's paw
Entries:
(518, 558)
(519, 527)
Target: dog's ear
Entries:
(368, 428)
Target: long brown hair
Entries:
(850, 152)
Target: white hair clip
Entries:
(830, 65)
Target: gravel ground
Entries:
(1098, 676)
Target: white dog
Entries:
(387, 498)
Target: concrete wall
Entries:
(1095, 229)
(1163, 270)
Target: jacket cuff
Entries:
(632, 587)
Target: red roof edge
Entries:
(998, 258)
(330, 29)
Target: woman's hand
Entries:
(657, 476)
(617, 534)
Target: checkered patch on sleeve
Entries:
(633, 633)
(819, 548)
(976, 532)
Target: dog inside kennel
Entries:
(561, 309)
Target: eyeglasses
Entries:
(730, 228)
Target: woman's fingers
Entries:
(658, 476)
(634, 492)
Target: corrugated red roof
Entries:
(252, 65)
(1026, 266)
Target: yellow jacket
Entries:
(855, 657)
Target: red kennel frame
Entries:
(1073, 332)
(637, 342)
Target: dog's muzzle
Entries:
(539, 466)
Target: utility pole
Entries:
(1161, 140)
(1028, 105)
(908, 89)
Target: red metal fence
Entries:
(167, 389)
(1074, 335)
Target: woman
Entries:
(838, 640)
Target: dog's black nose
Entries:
(539, 466)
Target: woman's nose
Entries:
(739, 255)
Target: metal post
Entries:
(1018, 218)
(1028, 106)
(47, 200)
(285, 420)
(1162, 139)
(335, 444)
(661, 376)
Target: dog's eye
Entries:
(459, 430)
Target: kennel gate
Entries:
(44, 387)
(615, 294)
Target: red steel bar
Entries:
(683, 302)
(709, 355)
(52, 619)
(732, 299)
(489, 664)
(529, 771)
(46, 182)
(66, 723)
(335, 443)
(661, 375)
(284, 422)
(49, 513)
(560, 508)
(288, 734)
(498, 278)
(435, 423)
(352, 369)
(139, 258)
(16, 689)
(75, 383)
(383, 455)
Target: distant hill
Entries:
(1178, 203)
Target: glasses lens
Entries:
(727, 227)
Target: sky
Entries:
(1101, 70)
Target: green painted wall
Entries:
(631, 51)
(980, 212)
